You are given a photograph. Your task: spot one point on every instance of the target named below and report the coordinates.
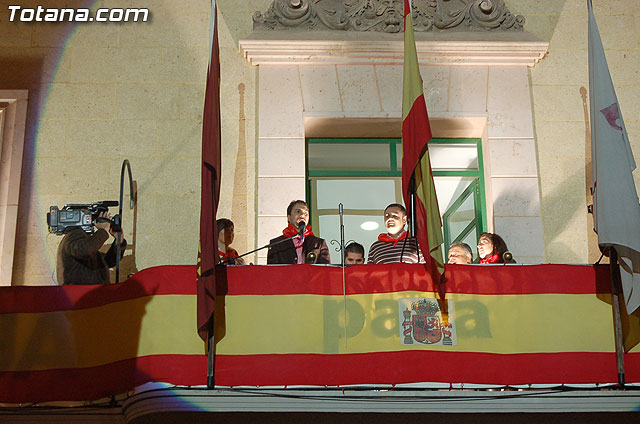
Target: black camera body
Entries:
(72, 216)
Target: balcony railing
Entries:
(513, 325)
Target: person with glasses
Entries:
(298, 244)
(492, 249)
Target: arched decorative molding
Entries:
(362, 32)
(387, 15)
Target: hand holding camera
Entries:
(103, 221)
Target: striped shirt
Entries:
(386, 253)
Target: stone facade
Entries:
(559, 112)
(454, 94)
(100, 93)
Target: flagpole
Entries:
(616, 289)
(412, 208)
(211, 345)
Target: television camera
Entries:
(80, 215)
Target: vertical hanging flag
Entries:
(616, 212)
(210, 191)
(416, 133)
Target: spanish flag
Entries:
(416, 133)
(528, 324)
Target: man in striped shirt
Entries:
(395, 246)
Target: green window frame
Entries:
(475, 189)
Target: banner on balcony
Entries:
(292, 325)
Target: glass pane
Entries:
(461, 217)
(454, 156)
(471, 240)
(448, 156)
(349, 157)
(448, 189)
(353, 230)
(355, 194)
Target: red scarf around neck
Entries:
(493, 259)
(226, 256)
(388, 239)
(292, 231)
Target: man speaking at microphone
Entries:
(297, 244)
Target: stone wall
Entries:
(100, 93)
(497, 95)
(103, 92)
(559, 110)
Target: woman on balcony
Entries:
(492, 249)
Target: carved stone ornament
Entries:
(387, 15)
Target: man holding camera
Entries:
(79, 260)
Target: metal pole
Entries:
(412, 197)
(616, 289)
(211, 345)
(344, 284)
(211, 358)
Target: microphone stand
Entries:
(126, 164)
(230, 260)
(344, 285)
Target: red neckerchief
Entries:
(231, 253)
(388, 239)
(493, 259)
(292, 231)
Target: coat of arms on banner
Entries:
(422, 323)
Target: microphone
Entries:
(301, 227)
(507, 257)
(109, 203)
(311, 258)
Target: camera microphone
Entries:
(109, 203)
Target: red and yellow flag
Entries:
(416, 133)
(529, 324)
(208, 250)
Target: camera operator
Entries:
(79, 260)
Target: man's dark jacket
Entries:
(79, 260)
(285, 252)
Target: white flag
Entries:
(616, 211)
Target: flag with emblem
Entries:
(616, 210)
(416, 133)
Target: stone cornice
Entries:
(387, 15)
(325, 48)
